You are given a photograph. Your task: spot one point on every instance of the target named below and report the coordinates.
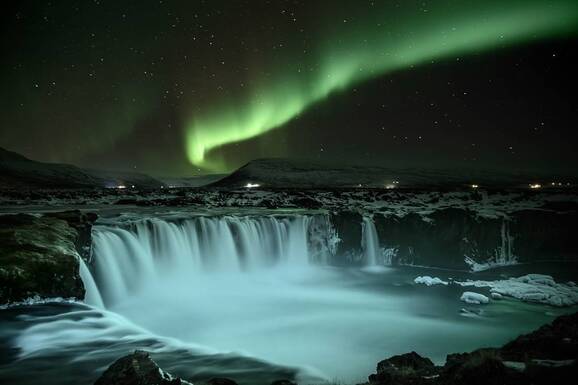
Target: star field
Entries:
(183, 88)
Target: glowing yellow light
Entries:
(252, 185)
(475, 186)
(536, 186)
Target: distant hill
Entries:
(284, 173)
(17, 171)
(193, 181)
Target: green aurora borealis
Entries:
(357, 51)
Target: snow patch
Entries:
(474, 298)
(429, 281)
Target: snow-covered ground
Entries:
(397, 203)
(474, 298)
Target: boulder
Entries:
(409, 360)
(409, 368)
(38, 258)
(483, 367)
(137, 369)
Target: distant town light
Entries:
(474, 186)
(121, 186)
(535, 186)
(252, 185)
(392, 185)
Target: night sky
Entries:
(177, 88)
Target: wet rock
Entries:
(137, 369)
(409, 360)
(410, 368)
(82, 222)
(442, 240)
(483, 367)
(38, 258)
(348, 225)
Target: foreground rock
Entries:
(548, 353)
(38, 258)
(408, 368)
(137, 369)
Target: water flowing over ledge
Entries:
(149, 250)
(125, 255)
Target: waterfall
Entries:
(147, 252)
(92, 296)
(369, 242)
(504, 254)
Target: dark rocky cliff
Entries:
(460, 238)
(39, 255)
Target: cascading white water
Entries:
(504, 254)
(369, 242)
(148, 251)
(92, 295)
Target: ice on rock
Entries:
(474, 298)
(540, 279)
(531, 288)
(429, 281)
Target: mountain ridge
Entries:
(18, 171)
(285, 173)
